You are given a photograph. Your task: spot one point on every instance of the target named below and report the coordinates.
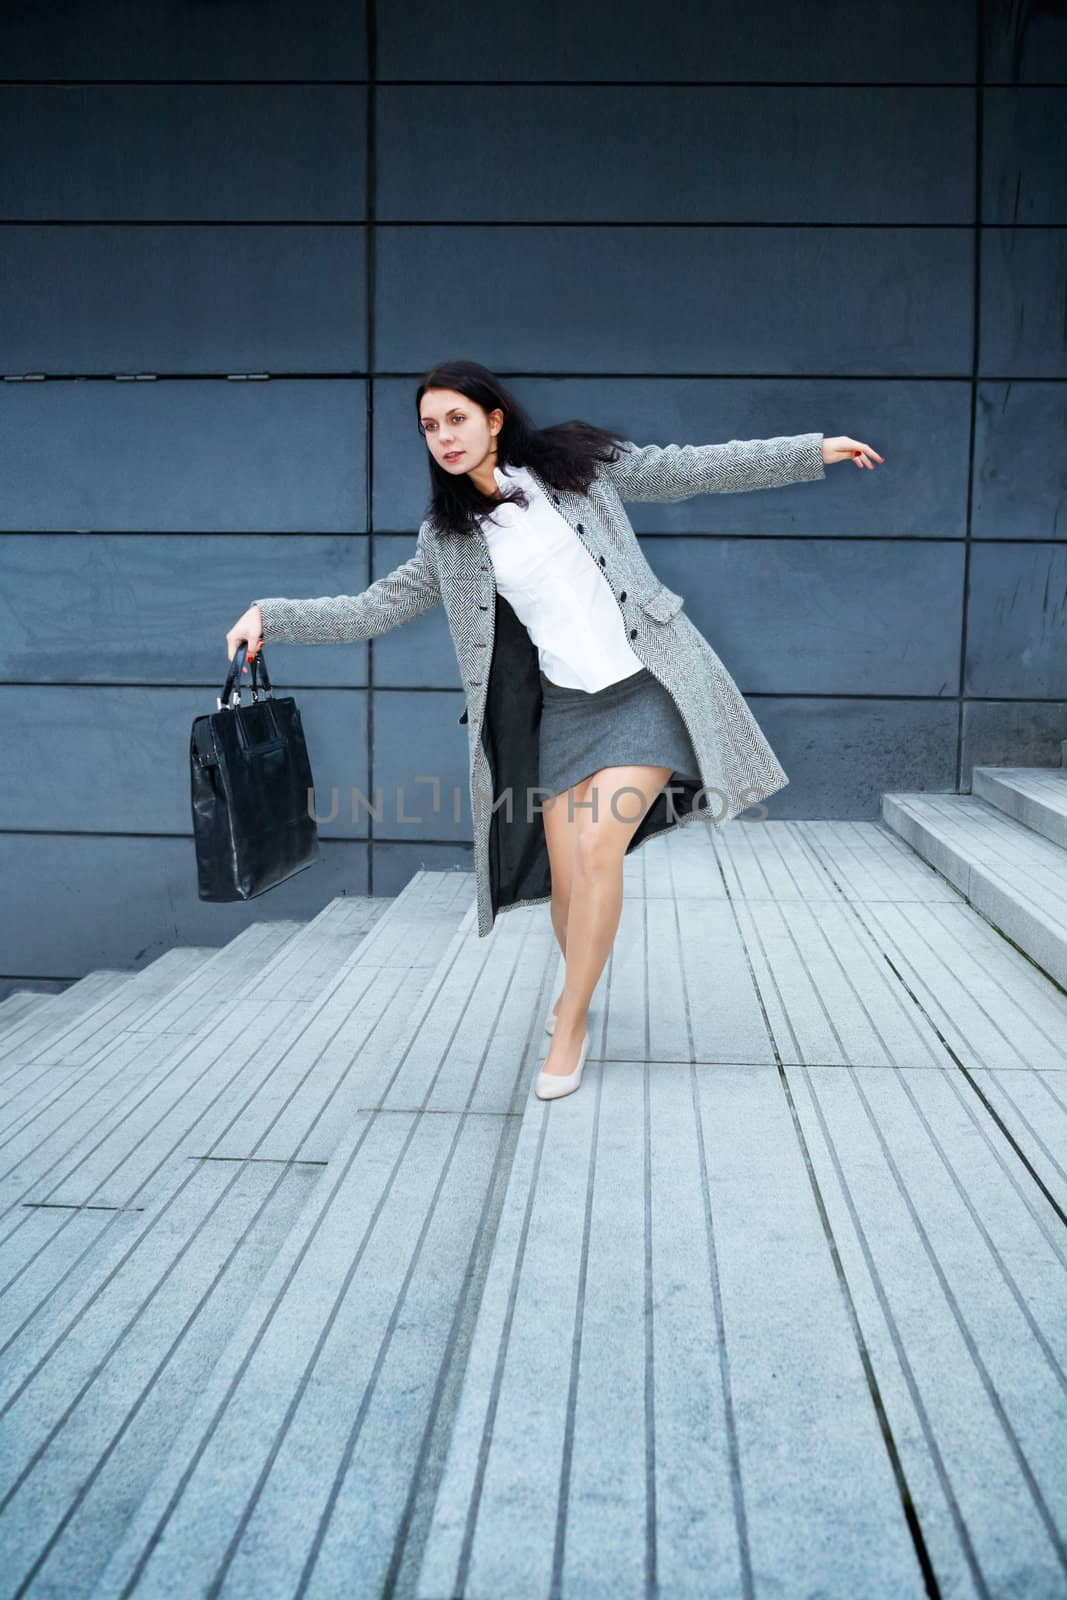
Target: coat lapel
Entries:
(500, 668)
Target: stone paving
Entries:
(774, 1306)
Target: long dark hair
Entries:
(564, 454)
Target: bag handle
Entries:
(257, 663)
(230, 698)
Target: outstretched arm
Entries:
(400, 596)
(677, 471)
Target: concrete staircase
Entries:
(1004, 847)
(306, 1293)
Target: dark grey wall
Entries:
(690, 223)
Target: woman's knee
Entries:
(597, 850)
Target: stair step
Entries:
(68, 1037)
(21, 1001)
(352, 1351)
(351, 1358)
(61, 1003)
(655, 1308)
(662, 1320)
(172, 1267)
(250, 1053)
(634, 1317)
(253, 945)
(1035, 796)
(1014, 876)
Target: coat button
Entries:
(602, 561)
(623, 595)
(556, 498)
(633, 633)
(579, 528)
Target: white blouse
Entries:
(557, 590)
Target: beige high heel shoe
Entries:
(550, 1085)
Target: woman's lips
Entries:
(453, 455)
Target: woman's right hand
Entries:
(248, 629)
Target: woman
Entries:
(588, 688)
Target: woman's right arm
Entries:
(400, 596)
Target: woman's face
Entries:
(458, 433)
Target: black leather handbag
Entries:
(252, 790)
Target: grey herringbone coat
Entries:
(500, 668)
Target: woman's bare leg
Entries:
(604, 831)
(561, 814)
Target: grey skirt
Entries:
(634, 721)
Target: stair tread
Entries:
(1014, 874)
(379, 1355)
(62, 1004)
(993, 838)
(555, 1380)
(373, 1182)
(1048, 785)
(1035, 796)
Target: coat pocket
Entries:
(663, 603)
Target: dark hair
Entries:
(565, 454)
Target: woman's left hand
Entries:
(843, 449)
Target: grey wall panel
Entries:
(1024, 44)
(1023, 285)
(120, 900)
(102, 760)
(1017, 621)
(156, 608)
(910, 422)
(421, 766)
(729, 161)
(1024, 136)
(634, 216)
(843, 755)
(174, 39)
(686, 299)
(183, 153)
(1012, 733)
(187, 300)
(395, 864)
(419, 653)
(824, 616)
(740, 40)
(1019, 482)
(185, 457)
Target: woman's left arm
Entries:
(677, 471)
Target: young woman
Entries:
(588, 688)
